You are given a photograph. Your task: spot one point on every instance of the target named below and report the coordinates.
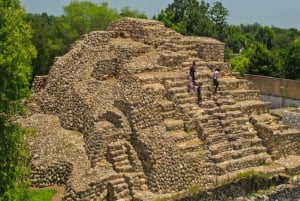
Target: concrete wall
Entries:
(274, 89)
(280, 102)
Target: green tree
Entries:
(261, 61)
(218, 14)
(188, 17)
(167, 17)
(84, 16)
(265, 35)
(240, 64)
(235, 40)
(128, 12)
(16, 53)
(292, 61)
(41, 25)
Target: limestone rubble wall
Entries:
(242, 188)
(90, 91)
(154, 33)
(39, 83)
(53, 174)
(279, 143)
(292, 119)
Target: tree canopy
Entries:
(53, 35)
(16, 54)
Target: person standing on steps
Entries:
(215, 80)
(192, 71)
(199, 94)
(190, 85)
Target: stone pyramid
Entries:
(114, 119)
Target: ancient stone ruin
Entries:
(114, 119)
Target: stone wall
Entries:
(241, 188)
(279, 141)
(39, 83)
(140, 131)
(50, 175)
(275, 86)
(292, 119)
(154, 33)
(280, 102)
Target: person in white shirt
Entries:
(215, 80)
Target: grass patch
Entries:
(41, 194)
(190, 191)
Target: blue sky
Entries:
(279, 13)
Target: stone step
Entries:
(234, 113)
(166, 105)
(208, 104)
(231, 83)
(129, 198)
(190, 145)
(158, 77)
(173, 124)
(177, 83)
(226, 101)
(123, 195)
(191, 99)
(179, 89)
(117, 152)
(119, 188)
(117, 181)
(248, 151)
(118, 158)
(180, 135)
(188, 107)
(234, 123)
(243, 95)
(254, 106)
(241, 134)
(125, 162)
(119, 144)
(231, 108)
(183, 95)
(214, 138)
(124, 168)
(218, 148)
(157, 87)
(195, 113)
(247, 142)
(242, 163)
(222, 156)
(169, 114)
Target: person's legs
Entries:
(215, 86)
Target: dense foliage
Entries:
(251, 49)
(261, 50)
(53, 35)
(16, 53)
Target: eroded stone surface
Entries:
(114, 119)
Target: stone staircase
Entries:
(220, 124)
(246, 98)
(187, 142)
(227, 134)
(177, 99)
(118, 153)
(118, 190)
(125, 162)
